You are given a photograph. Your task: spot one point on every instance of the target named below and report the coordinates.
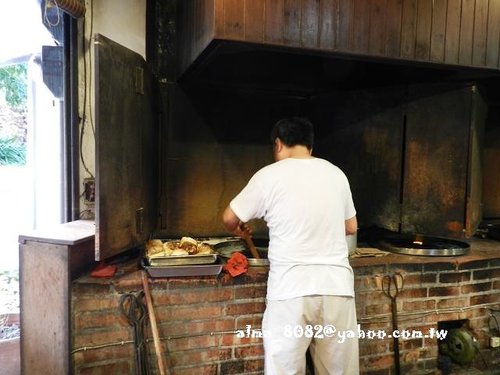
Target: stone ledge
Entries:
(482, 253)
(481, 250)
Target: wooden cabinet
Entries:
(48, 261)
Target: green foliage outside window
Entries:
(13, 86)
(12, 152)
(13, 83)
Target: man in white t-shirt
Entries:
(307, 205)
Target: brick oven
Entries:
(404, 98)
(199, 318)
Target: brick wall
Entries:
(432, 293)
(199, 315)
(197, 318)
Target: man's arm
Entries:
(351, 225)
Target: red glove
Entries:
(236, 265)
(103, 270)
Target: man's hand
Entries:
(243, 231)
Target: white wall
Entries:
(123, 21)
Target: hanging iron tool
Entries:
(391, 286)
(134, 310)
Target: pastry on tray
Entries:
(187, 246)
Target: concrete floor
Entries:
(10, 359)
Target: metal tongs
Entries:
(391, 286)
(133, 309)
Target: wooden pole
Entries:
(154, 327)
(249, 242)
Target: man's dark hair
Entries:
(294, 131)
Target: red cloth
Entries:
(103, 270)
(236, 265)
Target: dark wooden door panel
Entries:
(474, 210)
(126, 145)
(438, 30)
(493, 37)
(361, 132)
(424, 27)
(436, 158)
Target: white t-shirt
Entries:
(305, 203)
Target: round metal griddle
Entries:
(423, 245)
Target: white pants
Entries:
(289, 324)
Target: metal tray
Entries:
(228, 248)
(182, 260)
(184, 271)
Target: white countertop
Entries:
(70, 233)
